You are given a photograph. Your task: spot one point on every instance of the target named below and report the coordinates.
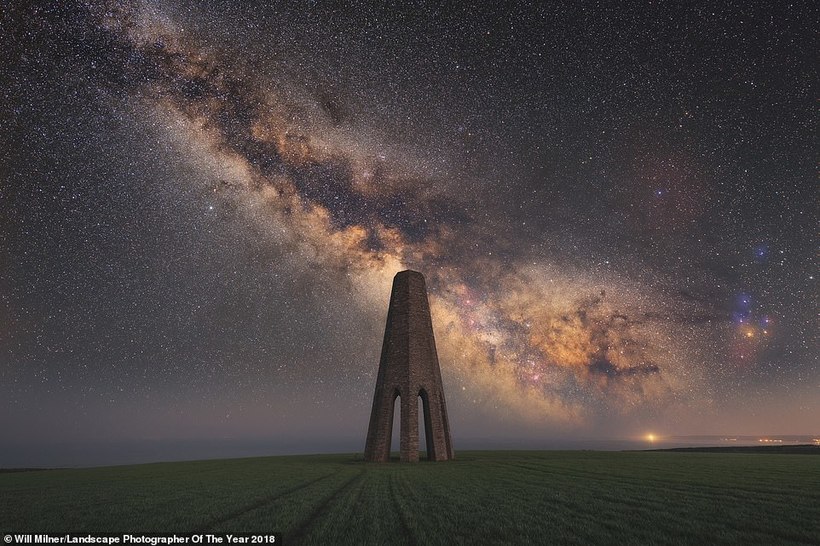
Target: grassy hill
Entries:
(571, 497)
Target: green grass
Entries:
(516, 497)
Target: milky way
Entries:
(613, 210)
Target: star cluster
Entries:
(203, 206)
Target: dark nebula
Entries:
(203, 204)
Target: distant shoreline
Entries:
(801, 449)
(797, 449)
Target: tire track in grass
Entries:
(581, 506)
(358, 501)
(213, 522)
(402, 510)
(355, 506)
(300, 533)
(609, 518)
(696, 489)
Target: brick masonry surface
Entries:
(408, 369)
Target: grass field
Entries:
(517, 497)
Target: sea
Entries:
(91, 453)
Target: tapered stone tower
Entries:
(409, 369)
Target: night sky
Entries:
(202, 206)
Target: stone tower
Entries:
(408, 369)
